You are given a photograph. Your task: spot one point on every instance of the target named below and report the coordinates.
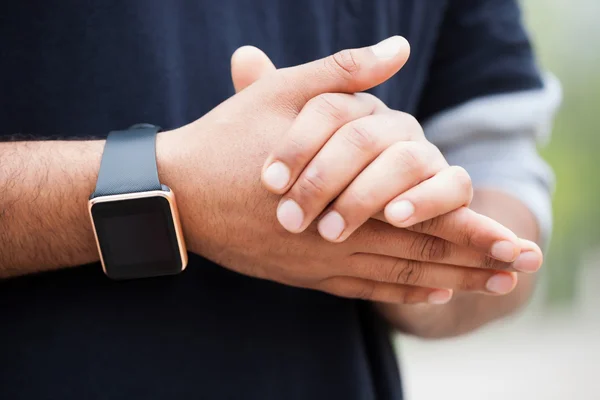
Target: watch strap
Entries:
(129, 162)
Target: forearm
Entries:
(44, 187)
(44, 192)
(468, 311)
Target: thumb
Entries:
(249, 64)
(348, 71)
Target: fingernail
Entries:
(290, 215)
(439, 297)
(528, 261)
(332, 225)
(277, 175)
(400, 211)
(504, 251)
(500, 283)
(389, 47)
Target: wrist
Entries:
(168, 157)
(179, 168)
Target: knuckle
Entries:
(406, 272)
(369, 102)
(428, 226)
(462, 179)
(311, 184)
(344, 64)
(331, 106)
(436, 157)
(487, 263)
(368, 98)
(293, 152)
(466, 234)
(492, 263)
(469, 282)
(411, 125)
(358, 201)
(409, 157)
(360, 136)
(431, 248)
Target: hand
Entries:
(353, 156)
(355, 152)
(468, 311)
(441, 199)
(362, 155)
(214, 163)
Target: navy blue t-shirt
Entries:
(80, 68)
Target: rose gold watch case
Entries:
(168, 195)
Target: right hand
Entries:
(214, 166)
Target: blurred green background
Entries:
(566, 34)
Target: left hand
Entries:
(436, 193)
(356, 164)
(360, 153)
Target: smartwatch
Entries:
(134, 217)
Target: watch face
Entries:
(137, 237)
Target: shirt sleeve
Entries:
(487, 106)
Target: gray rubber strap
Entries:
(129, 162)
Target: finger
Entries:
(446, 191)
(377, 237)
(430, 275)
(249, 64)
(400, 167)
(530, 259)
(475, 231)
(342, 158)
(468, 228)
(364, 289)
(317, 122)
(348, 71)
